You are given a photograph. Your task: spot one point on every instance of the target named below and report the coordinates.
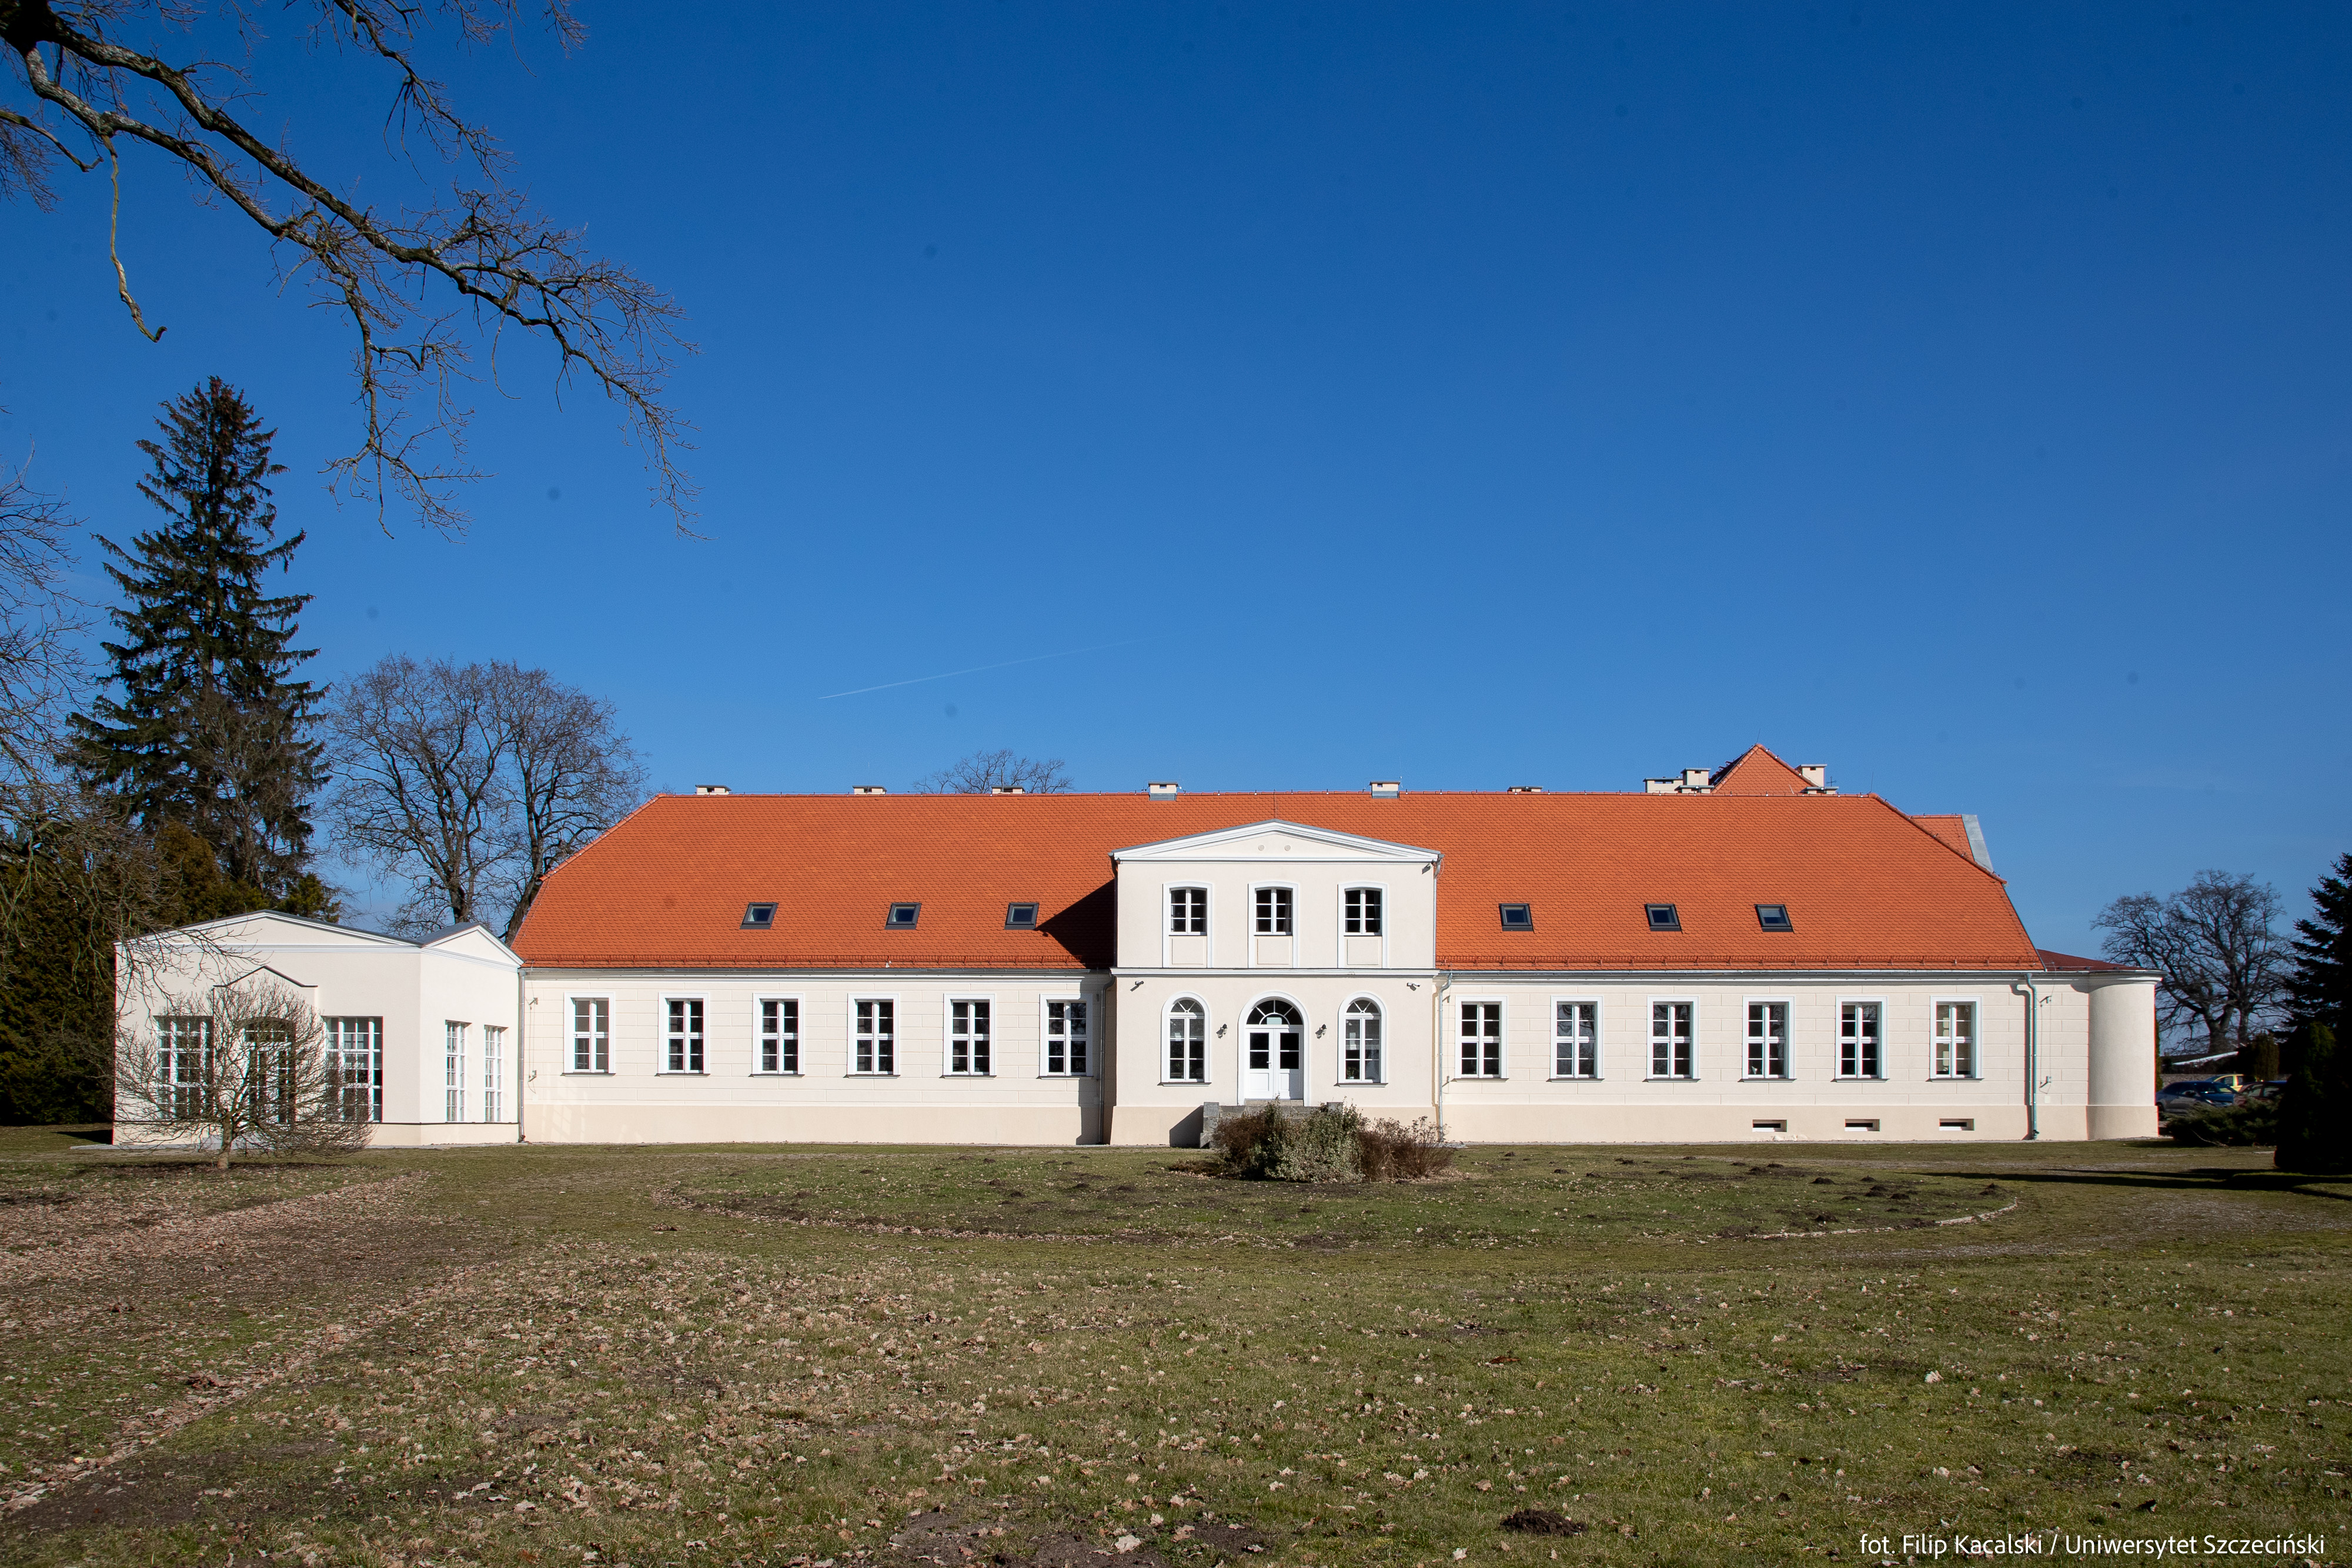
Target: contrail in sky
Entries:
(976, 669)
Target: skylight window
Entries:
(903, 916)
(1021, 917)
(759, 916)
(1664, 917)
(1518, 916)
(1774, 918)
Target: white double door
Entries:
(1274, 1053)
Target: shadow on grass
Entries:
(2196, 1178)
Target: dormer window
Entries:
(903, 916)
(1518, 916)
(1774, 918)
(1021, 917)
(759, 917)
(1663, 917)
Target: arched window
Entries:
(1273, 1052)
(1360, 1052)
(1188, 1042)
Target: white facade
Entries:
(430, 1007)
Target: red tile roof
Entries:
(1950, 829)
(1756, 771)
(1866, 886)
(2051, 960)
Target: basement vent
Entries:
(1769, 1126)
(1958, 1123)
(1868, 1126)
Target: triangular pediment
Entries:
(1275, 840)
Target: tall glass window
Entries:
(1576, 1040)
(183, 1048)
(355, 1057)
(453, 1072)
(780, 1035)
(877, 1037)
(1768, 1039)
(1956, 1040)
(494, 1072)
(1065, 1038)
(967, 1038)
(684, 1034)
(1360, 1057)
(591, 1034)
(1670, 1041)
(1188, 1043)
(1482, 1039)
(1858, 1039)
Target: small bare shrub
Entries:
(1331, 1142)
(1391, 1150)
(241, 1066)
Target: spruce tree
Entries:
(2319, 978)
(210, 730)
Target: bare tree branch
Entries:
(987, 772)
(240, 1065)
(2215, 943)
(502, 264)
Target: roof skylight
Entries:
(1664, 917)
(1518, 916)
(903, 916)
(1021, 917)
(759, 916)
(1774, 918)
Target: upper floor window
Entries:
(1360, 1056)
(1576, 1040)
(591, 1034)
(780, 1035)
(1065, 1038)
(876, 1047)
(1956, 1040)
(1518, 916)
(1361, 913)
(1858, 1039)
(967, 1038)
(1482, 1039)
(684, 1035)
(1768, 1039)
(1662, 916)
(903, 916)
(1273, 912)
(1670, 1041)
(1187, 1053)
(1188, 912)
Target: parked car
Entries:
(2267, 1093)
(2235, 1083)
(2193, 1092)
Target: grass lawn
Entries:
(875, 1355)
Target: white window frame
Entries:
(494, 1071)
(571, 1033)
(760, 1038)
(1208, 1037)
(1290, 911)
(184, 1046)
(1837, 1040)
(1788, 1074)
(1502, 1039)
(891, 1070)
(1935, 1005)
(1650, 1041)
(1553, 1012)
(1168, 892)
(1093, 1004)
(662, 1069)
(986, 1037)
(343, 1043)
(453, 1070)
(1380, 1046)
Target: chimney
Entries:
(1008, 789)
(867, 790)
(1527, 789)
(710, 789)
(1659, 786)
(1816, 776)
(1698, 780)
(1161, 791)
(1385, 788)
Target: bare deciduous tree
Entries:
(472, 782)
(985, 771)
(41, 667)
(2223, 963)
(416, 284)
(239, 1066)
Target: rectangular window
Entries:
(904, 916)
(1516, 916)
(1188, 1054)
(453, 1072)
(1188, 912)
(1482, 1039)
(1363, 912)
(355, 1056)
(183, 1048)
(1768, 1039)
(1670, 1041)
(1774, 918)
(1769, 1126)
(877, 1037)
(494, 1072)
(1662, 916)
(1862, 1124)
(780, 1035)
(271, 1074)
(1021, 917)
(967, 1038)
(1958, 1123)
(1360, 1057)
(1956, 1040)
(1066, 1040)
(684, 1034)
(1273, 912)
(1576, 1040)
(1858, 1039)
(759, 917)
(591, 1034)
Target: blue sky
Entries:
(1473, 396)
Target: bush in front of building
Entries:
(2314, 1133)
(1328, 1144)
(2253, 1124)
